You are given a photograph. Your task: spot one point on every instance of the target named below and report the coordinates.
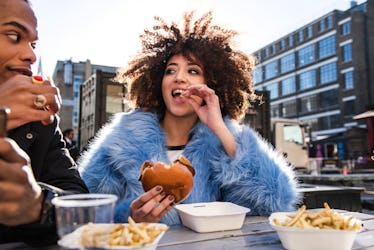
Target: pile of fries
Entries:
(324, 219)
(113, 235)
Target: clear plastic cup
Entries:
(73, 211)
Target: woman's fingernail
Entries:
(162, 193)
(171, 197)
(158, 188)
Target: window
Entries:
(349, 108)
(348, 80)
(289, 85)
(273, 89)
(257, 75)
(345, 28)
(306, 55)
(329, 122)
(310, 31)
(308, 103)
(289, 108)
(326, 47)
(273, 49)
(290, 41)
(301, 36)
(329, 98)
(293, 133)
(329, 22)
(347, 52)
(267, 52)
(307, 79)
(321, 25)
(259, 58)
(270, 70)
(282, 44)
(328, 73)
(274, 111)
(287, 63)
(312, 123)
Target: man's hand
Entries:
(19, 95)
(20, 195)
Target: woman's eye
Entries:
(169, 71)
(194, 71)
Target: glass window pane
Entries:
(289, 85)
(348, 80)
(273, 89)
(289, 108)
(287, 63)
(306, 55)
(328, 73)
(271, 70)
(326, 47)
(349, 108)
(293, 133)
(347, 52)
(307, 79)
(308, 103)
(346, 28)
(329, 98)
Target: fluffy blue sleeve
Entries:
(107, 168)
(257, 177)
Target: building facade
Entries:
(68, 77)
(101, 96)
(322, 74)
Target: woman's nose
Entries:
(180, 77)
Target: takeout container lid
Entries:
(293, 238)
(72, 240)
(212, 216)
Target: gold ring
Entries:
(40, 101)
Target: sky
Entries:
(107, 31)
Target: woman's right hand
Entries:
(18, 94)
(151, 206)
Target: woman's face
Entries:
(179, 74)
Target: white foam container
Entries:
(212, 216)
(294, 238)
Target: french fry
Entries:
(324, 219)
(133, 234)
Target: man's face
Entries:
(17, 38)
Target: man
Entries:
(33, 155)
(70, 143)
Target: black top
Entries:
(51, 164)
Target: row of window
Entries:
(314, 103)
(327, 74)
(302, 57)
(323, 25)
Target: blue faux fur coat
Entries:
(257, 177)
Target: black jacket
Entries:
(51, 164)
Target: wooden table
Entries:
(256, 234)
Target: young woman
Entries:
(190, 89)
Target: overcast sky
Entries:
(107, 31)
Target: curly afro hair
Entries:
(227, 71)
